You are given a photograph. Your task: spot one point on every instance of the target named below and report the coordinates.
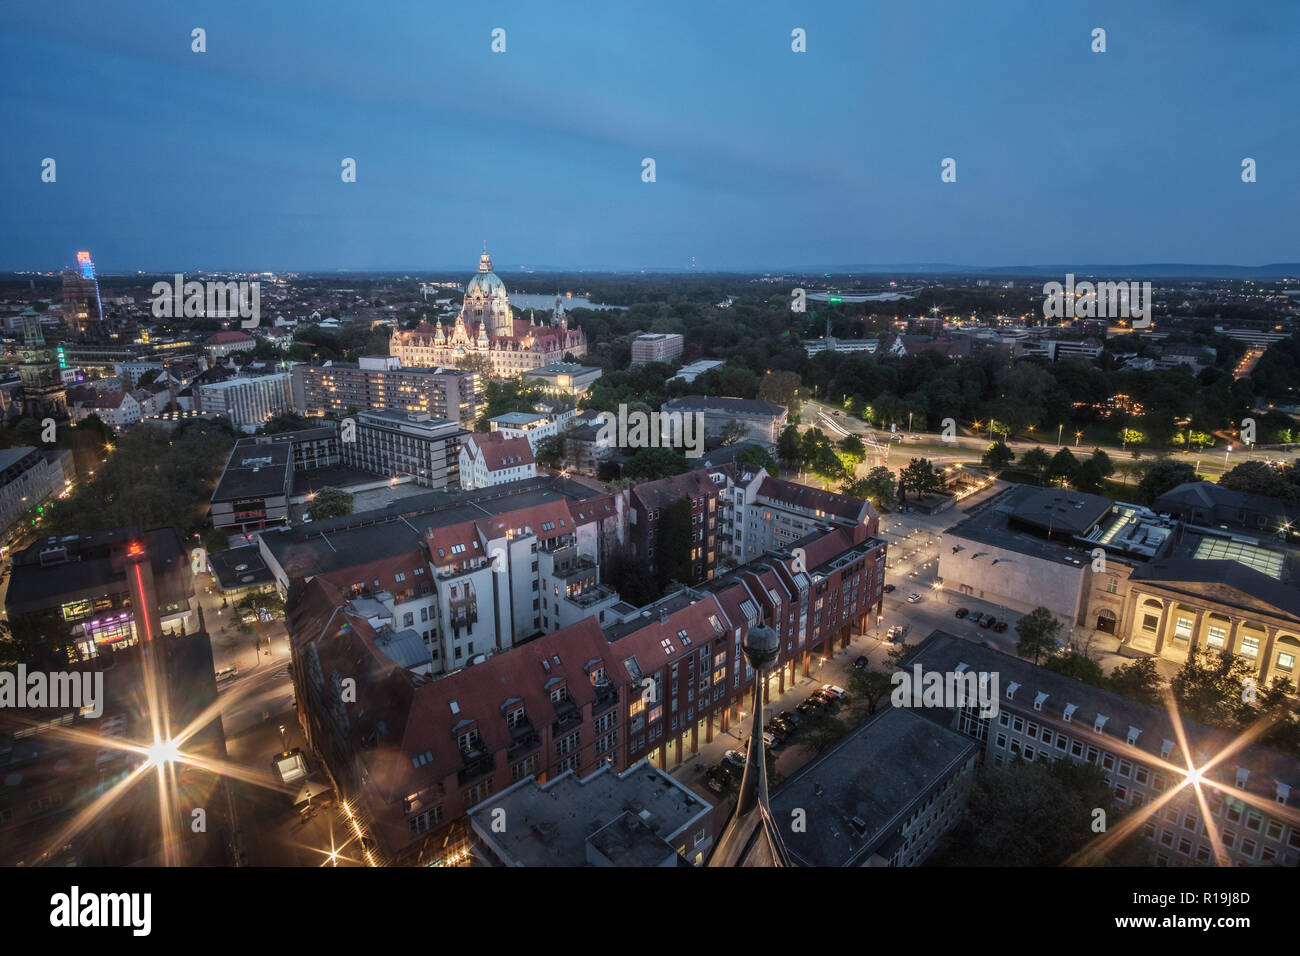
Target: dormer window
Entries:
(469, 740)
(1242, 775)
(1011, 690)
(1100, 723)
(560, 694)
(1166, 748)
(1069, 711)
(515, 717)
(1133, 734)
(1038, 701)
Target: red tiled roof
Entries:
(384, 571)
(228, 338)
(814, 499)
(454, 544)
(499, 452)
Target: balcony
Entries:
(591, 595)
(568, 715)
(606, 697)
(478, 763)
(525, 742)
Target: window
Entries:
(523, 768)
(1112, 585)
(469, 739)
(1285, 662)
(422, 759)
(1002, 741)
(1142, 775)
(1216, 636)
(515, 717)
(1183, 628)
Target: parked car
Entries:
(861, 663)
(790, 717)
(963, 612)
(889, 589)
(227, 673)
(913, 598)
(735, 759)
(839, 693)
(1000, 626)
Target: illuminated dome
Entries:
(486, 300)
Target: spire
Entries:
(485, 260)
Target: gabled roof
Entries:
(498, 451)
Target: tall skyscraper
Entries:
(81, 306)
(43, 391)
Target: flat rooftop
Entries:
(550, 824)
(324, 546)
(873, 774)
(992, 522)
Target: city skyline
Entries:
(540, 148)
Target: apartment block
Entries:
(380, 382)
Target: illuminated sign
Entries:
(63, 359)
(87, 267)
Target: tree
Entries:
(1038, 632)
(1062, 469)
(550, 451)
(997, 456)
(1035, 814)
(1261, 478)
(757, 456)
(869, 688)
(1165, 474)
(1035, 463)
(921, 478)
(826, 464)
(1208, 687)
(882, 487)
(330, 503)
(789, 446)
(609, 471)
(217, 540)
(852, 451)
(1138, 680)
(781, 388)
(1076, 665)
(733, 432)
(654, 463)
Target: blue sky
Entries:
(230, 159)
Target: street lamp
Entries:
(1077, 436)
(1058, 434)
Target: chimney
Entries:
(663, 613)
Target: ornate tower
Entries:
(487, 302)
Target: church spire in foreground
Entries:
(752, 837)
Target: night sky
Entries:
(169, 159)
